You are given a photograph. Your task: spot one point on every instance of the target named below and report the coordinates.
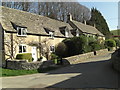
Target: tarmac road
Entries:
(95, 74)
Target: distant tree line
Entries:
(55, 10)
(99, 22)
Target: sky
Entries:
(108, 9)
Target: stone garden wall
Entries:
(84, 57)
(22, 65)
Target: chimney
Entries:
(94, 25)
(85, 22)
(69, 17)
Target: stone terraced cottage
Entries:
(22, 31)
(80, 28)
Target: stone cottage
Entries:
(20, 29)
(24, 32)
(80, 28)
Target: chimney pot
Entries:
(69, 17)
(94, 25)
(85, 22)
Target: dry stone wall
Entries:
(22, 65)
(84, 57)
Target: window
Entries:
(51, 34)
(22, 49)
(66, 33)
(21, 31)
(77, 33)
(52, 49)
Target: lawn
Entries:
(9, 72)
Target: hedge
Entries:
(79, 45)
(24, 56)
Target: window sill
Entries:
(51, 38)
(22, 52)
(22, 35)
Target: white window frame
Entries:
(23, 45)
(66, 33)
(77, 33)
(51, 34)
(19, 28)
(53, 48)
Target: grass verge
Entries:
(9, 72)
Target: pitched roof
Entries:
(86, 28)
(35, 23)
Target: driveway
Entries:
(95, 74)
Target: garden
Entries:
(80, 45)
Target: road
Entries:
(95, 74)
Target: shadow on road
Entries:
(92, 75)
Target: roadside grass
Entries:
(8, 72)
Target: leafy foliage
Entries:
(99, 21)
(110, 43)
(24, 56)
(80, 45)
(93, 44)
(61, 49)
(117, 42)
(76, 45)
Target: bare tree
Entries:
(55, 10)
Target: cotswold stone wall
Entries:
(22, 65)
(84, 57)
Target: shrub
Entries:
(54, 56)
(61, 50)
(94, 46)
(76, 45)
(117, 42)
(110, 43)
(70, 47)
(24, 56)
(80, 44)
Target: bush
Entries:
(109, 43)
(24, 56)
(54, 56)
(61, 50)
(117, 42)
(76, 45)
(94, 46)
(56, 59)
(70, 47)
